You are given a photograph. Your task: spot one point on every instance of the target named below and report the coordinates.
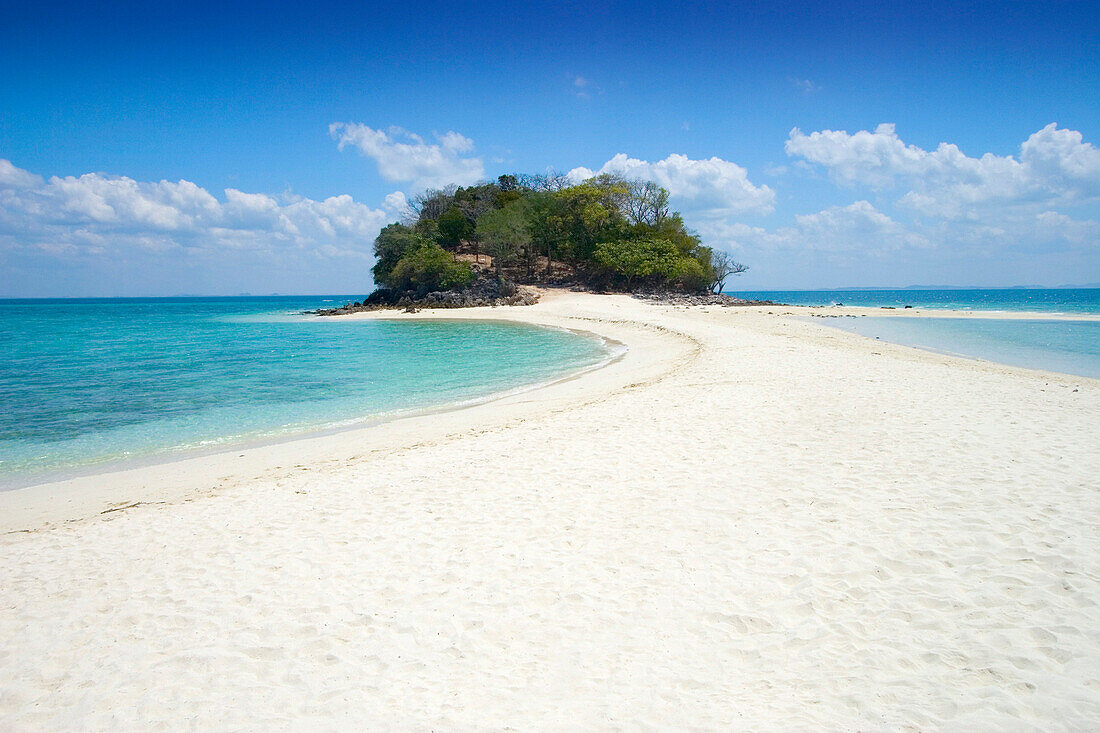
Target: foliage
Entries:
(428, 268)
(653, 262)
(453, 227)
(504, 233)
(389, 247)
(607, 231)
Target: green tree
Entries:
(589, 215)
(505, 233)
(614, 232)
(635, 262)
(427, 268)
(453, 228)
(545, 225)
(390, 246)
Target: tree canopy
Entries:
(607, 232)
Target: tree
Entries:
(612, 231)
(647, 204)
(504, 233)
(591, 214)
(432, 203)
(722, 265)
(453, 228)
(545, 226)
(428, 268)
(550, 181)
(390, 246)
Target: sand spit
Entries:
(749, 522)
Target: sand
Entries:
(751, 521)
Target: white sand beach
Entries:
(750, 521)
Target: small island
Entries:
(483, 245)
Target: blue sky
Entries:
(200, 148)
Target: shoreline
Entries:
(1011, 348)
(83, 495)
(750, 521)
(89, 472)
(166, 478)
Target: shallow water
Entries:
(1071, 347)
(89, 382)
(1029, 300)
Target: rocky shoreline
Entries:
(726, 301)
(488, 291)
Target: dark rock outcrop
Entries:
(726, 301)
(485, 291)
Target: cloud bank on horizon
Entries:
(139, 235)
(1041, 203)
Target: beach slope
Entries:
(748, 521)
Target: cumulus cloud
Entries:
(405, 157)
(116, 218)
(710, 188)
(858, 228)
(1055, 167)
(397, 204)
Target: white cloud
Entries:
(12, 177)
(396, 203)
(95, 215)
(858, 228)
(405, 157)
(1055, 167)
(1064, 160)
(710, 188)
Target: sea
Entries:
(1061, 333)
(88, 385)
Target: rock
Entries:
(486, 290)
(689, 299)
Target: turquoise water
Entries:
(1071, 347)
(1031, 300)
(90, 382)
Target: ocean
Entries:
(1052, 343)
(1055, 301)
(91, 384)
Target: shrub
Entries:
(427, 268)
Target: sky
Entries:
(213, 148)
